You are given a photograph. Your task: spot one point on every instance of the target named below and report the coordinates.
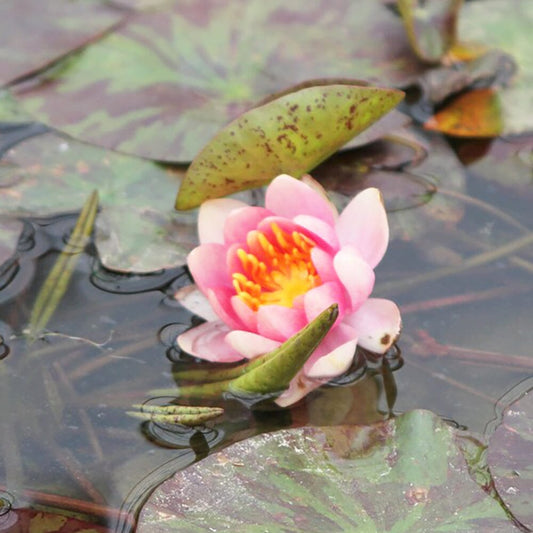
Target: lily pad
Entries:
(169, 79)
(431, 26)
(405, 474)
(509, 459)
(49, 174)
(506, 24)
(35, 33)
(291, 134)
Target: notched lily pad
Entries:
(405, 474)
(291, 134)
(169, 79)
(510, 458)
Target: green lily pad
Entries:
(169, 79)
(509, 458)
(291, 134)
(138, 230)
(35, 33)
(405, 474)
(506, 24)
(431, 26)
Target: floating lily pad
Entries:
(169, 79)
(138, 230)
(509, 458)
(35, 33)
(290, 134)
(431, 26)
(406, 474)
(506, 24)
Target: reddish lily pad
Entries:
(475, 113)
(405, 474)
(510, 458)
(169, 79)
(291, 134)
(431, 26)
(35, 33)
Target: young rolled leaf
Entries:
(57, 281)
(185, 415)
(269, 374)
(291, 134)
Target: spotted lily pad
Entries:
(405, 474)
(168, 80)
(509, 457)
(34, 33)
(290, 134)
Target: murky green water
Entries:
(65, 440)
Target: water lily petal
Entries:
(299, 387)
(241, 221)
(250, 345)
(279, 323)
(220, 300)
(323, 263)
(334, 363)
(195, 301)
(245, 314)
(319, 228)
(363, 224)
(355, 274)
(212, 217)
(321, 297)
(288, 197)
(204, 264)
(377, 323)
(207, 342)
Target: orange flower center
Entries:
(276, 269)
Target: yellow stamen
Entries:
(276, 268)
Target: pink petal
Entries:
(195, 301)
(289, 197)
(220, 300)
(207, 342)
(321, 229)
(212, 217)
(250, 345)
(299, 387)
(320, 298)
(278, 322)
(334, 363)
(378, 324)
(355, 274)
(241, 221)
(205, 263)
(245, 314)
(323, 263)
(363, 224)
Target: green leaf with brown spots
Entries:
(291, 134)
(166, 81)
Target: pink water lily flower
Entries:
(268, 271)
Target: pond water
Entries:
(459, 266)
